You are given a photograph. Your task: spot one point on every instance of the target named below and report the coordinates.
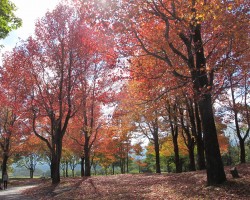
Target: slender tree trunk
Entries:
(64, 172)
(82, 166)
(236, 121)
(199, 141)
(66, 169)
(188, 139)
(157, 154)
(127, 159)
(175, 133)
(178, 167)
(113, 169)
(197, 133)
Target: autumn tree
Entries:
(186, 31)
(236, 106)
(138, 151)
(30, 153)
(51, 64)
(14, 123)
(105, 149)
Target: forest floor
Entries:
(187, 185)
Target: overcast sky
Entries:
(28, 11)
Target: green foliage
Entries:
(8, 21)
(232, 157)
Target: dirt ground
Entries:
(188, 185)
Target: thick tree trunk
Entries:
(191, 157)
(4, 163)
(202, 87)
(122, 165)
(87, 165)
(242, 151)
(87, 158)
(55, 169)
(56, 157)
(51, 170)
(215, 169)
(31, 172)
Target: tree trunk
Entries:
(127, 163)
(66, 169)
(242, 151)
(56, 157)
(191, 158)
(188, 136)
(82, 166)
(157, 154)
(113, 169)
(215, 169)
(178, 168)
(236, 121)
(87, 159)
(55, 170)
(199, 141)
(31, 172)
(4, 164)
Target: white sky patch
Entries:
(29, 11)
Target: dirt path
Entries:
(15, 193)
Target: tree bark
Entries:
(56, 157)
(178, 167)
(4, 164)
(199, 141)
(191, 159)
(156, 145)
(215, 169)
(242, 151)
(66, 169)
(82, 166)
(31, 173)
(87, 171)
(175, 133)
(188, 137)
(157, 155)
